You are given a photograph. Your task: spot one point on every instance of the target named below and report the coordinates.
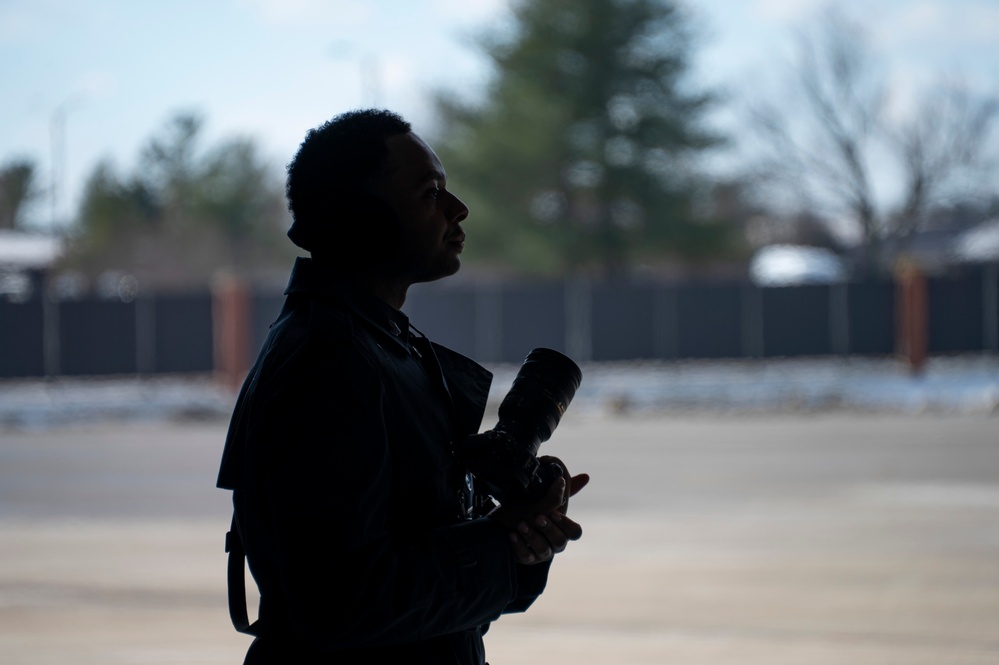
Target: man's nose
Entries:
(458, 211)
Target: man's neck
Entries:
(378, 283)
(389, 291)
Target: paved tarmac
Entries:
(822, 539)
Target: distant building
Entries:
(793, 265)
(979, 244)
(25, 258)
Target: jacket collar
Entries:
(312, 279)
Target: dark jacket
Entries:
(349, 500)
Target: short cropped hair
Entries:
(330, 178)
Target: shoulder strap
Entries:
(237, 579)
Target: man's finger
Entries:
(570, 529)
(555, 496)
(572, 487)
(522, 554)
(535, 540)
(577, 483)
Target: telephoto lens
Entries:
(505, 457)
(545, 384)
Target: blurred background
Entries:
(648, 180)
(768, 230)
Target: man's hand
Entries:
(541, 530)
(572, 487)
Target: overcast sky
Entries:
(116, 70)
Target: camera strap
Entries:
(424, 351)
(431, 365)
(236, 578)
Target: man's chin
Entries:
(445, 270)
(452, 269)
(450, 265)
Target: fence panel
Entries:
(22, 339)
(97, 337)
(623, 322)
(533, 316)
(183, 332)
(709, 321)
(796, 321)
(871, 317)
(956, 318)
(990, 306)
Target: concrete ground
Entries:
(816, 539)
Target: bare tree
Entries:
(943, 149)
(829, 143)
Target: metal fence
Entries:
(173, 332)
(162, 333)
(634, 321)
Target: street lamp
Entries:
(369, 70)
(58, 139)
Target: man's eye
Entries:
(434, 193)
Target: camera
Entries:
(505, 457)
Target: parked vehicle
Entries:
(791, 265)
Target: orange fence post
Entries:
(911, 316)
(231, 330)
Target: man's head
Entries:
(330, 179)
(368, 194)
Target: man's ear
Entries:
(365, 230)
(377, 210)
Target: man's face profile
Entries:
(428, 238)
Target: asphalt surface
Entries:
(828, 538)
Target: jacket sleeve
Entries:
(347, 578)
(531, 582)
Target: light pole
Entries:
(51, 348)
(58, 140)
(369, 69)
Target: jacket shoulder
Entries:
(307, 322)
(309, 346)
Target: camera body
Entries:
(505, 457)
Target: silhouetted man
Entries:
(358, 522)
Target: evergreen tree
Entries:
(580, 157)
(185, 214)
